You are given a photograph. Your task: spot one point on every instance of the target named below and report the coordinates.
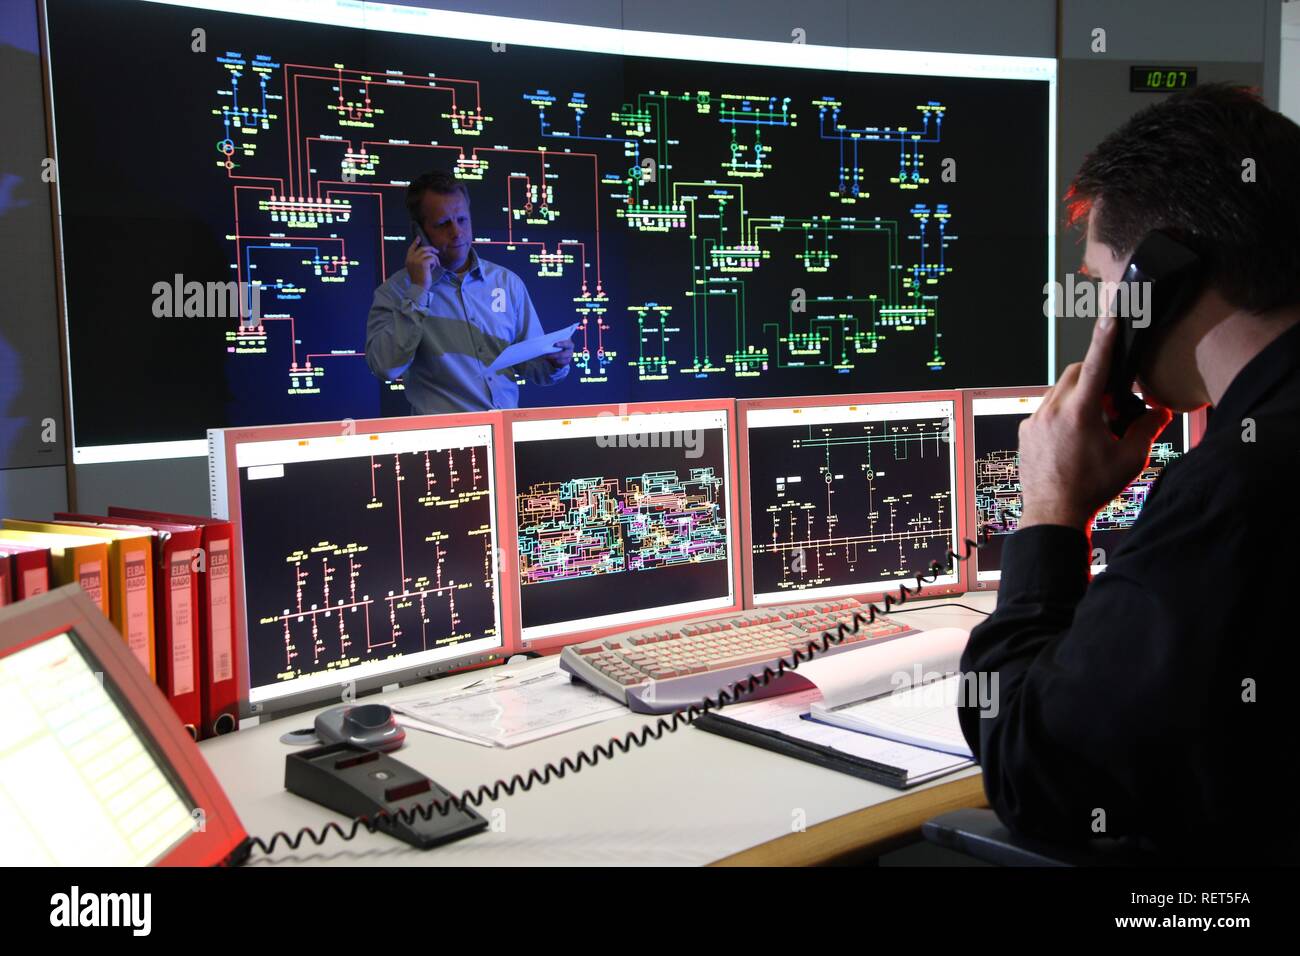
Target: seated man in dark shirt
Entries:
(1151, 702)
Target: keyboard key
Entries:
(749, 657)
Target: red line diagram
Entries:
(346, 150)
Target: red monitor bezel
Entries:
(1195, 431)
(229, 438)
(745, 406)
(553, 644)
(68, 610)
(968, 463)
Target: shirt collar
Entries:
(475, 268)
(1278, 362)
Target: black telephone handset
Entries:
(1175, 274)
(417, 233)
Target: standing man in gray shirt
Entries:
(441, 322)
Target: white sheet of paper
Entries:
(542, 704)
(415, 724)
(530, 348)
(922, 716)
(874, 669)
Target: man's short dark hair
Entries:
(438, 181)
(1181, 165)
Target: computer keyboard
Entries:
(662, 669)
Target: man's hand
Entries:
(421, 260)
(564, 356)
(1070, 463)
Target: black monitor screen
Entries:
(366, 555)
(622, 519)
(997, 481)
(849, 499)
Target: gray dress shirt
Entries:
(441, 342)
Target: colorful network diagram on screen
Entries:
(998, 501)
(622, 519)
(231, 201)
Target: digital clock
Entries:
(1161, 79)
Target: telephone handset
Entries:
(417, 233)
(1176, 276)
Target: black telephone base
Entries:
(362, 783)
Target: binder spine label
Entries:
(219, 610)
(35, 581)
(137, 606)
(90, 575)
(182, 620)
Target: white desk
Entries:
(689, 798)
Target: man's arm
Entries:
(400, 318)
(1053, 748)
(1120, 696)
(393, 333)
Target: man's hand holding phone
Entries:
(421, 260)
(1070, 462)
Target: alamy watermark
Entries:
(647, 433)
(208, 300)
(978, 689)
(1085, 298)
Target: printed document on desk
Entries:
(922, 716)
(540, 703)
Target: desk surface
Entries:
(687, 798)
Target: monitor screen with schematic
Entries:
(368, 553)
(851, 496)
(625, 516)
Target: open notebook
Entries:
(898, 742)
(923, 716)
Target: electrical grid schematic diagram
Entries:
(343, 134)
(386, 555)
(998, 502)
(849, 503)
(716, 230)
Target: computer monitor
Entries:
(723, 217)
(625, 515)
(849, 496)
(992, 479)
(96, 769)
(367, 552)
